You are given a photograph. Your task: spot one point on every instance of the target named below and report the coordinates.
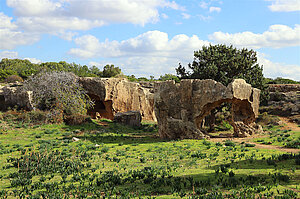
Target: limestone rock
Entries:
(284, 100)
(129, 96)
(131, 118)
(93, 86)
(13, 96)
(181, 108)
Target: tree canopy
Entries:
(24, 69)
(223, 64)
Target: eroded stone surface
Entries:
(181, 108)
(12, 96)
(131, 118)
(129, 96)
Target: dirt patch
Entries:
(287, 125)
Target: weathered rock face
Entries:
(12, 95)
(113, 95)
(181, 108)
(131, 118)
(129, 96)
(284, 100)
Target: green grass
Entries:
(278, 137)
(133, 162)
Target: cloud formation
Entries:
(284, 5)
(47, 15)
(150, 53)
(10, 36)
(273, 69)
(277, 36)
(8, 54)
(214, 9)
(151, 43)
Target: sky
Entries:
(150, 37)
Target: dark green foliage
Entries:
(110, 71)
(225, 63)
(24, 69)
(169, 77)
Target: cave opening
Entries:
(101, 108)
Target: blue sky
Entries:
(150, 37)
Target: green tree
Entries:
(169, 77)
(225, 63)
(110, 71)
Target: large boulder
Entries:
(12, 95)
(131, 118)
(180, 108)
(129, 96)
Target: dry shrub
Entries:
(266, 119)
(34, 116)
(13, 79)
(76, 119)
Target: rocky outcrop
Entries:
(13, 96)
(113, 95)
(181, 108)
(129, 96)
(131, 118)
(284, 100)
(284, 88)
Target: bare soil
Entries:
(287, 125)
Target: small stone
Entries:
(74, 139)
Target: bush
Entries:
(13, 79)
(33, 117)
(266, 119)
(229, 143)
(58, 90)
(76, 119)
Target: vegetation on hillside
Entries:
(24, 69)
(117, 161)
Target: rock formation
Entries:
(284, 101)
(113, 95)
(181, 108)
(129, 96)
(13, 96)
(131, 118)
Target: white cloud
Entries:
(284, 5)
(6, 22)
(203, 4)
(8, 54)
(185, 16)
(34, 60)
(164, 16)
(152, 52)
(48, 16)
(204, 18)
(151, 43)
(214, 9)
(273, 70)
(10, 36)
(276, 37)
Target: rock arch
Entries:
(180, 108)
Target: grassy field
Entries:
(115, 161)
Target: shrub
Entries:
(13, 79)
(58, 90)
(229, 143)
(267, 119)
(76, 119)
